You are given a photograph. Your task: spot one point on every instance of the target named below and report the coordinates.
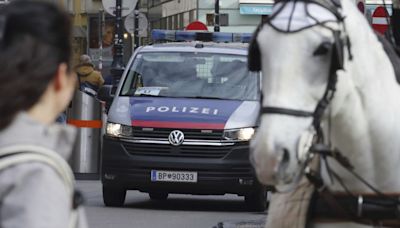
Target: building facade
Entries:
(235, 15)
(95, 34)
(94, 31)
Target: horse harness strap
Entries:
(370, 209)
(335, 207)
(286, 111)
(323, 103)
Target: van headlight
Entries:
(242, 134)
(118, 130)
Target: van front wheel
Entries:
(113, 197)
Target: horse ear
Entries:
(254, 55)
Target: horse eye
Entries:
(322, 49)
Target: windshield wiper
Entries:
(206, 97)
(147, 95)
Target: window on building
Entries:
(164, 23)
(176, 21)
(170, 22)
(181, 23)
(223, 19)
(156, 24)
(192, 16)
(186, 19)
(210, 19)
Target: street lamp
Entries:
(216, 15)
(136, 32)
(117, 66)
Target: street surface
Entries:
(179, 211)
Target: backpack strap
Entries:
(18, 154)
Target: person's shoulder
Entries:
(33, 176)
(39, 190)
(97, 73)
(35, 169)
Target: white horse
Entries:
(363, 118)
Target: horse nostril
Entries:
(283, 164)
(285, 158)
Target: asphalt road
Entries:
(176, 212)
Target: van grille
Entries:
(163, 133)
(166, 150)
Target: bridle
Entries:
(317, 145)
(337, 63)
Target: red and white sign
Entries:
(380, 20)
(197, 26)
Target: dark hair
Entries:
(35, 37)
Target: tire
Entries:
(113, 197)
(158, 195)
(258, 199)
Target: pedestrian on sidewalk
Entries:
(87, 74)
(37, 84)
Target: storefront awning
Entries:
(256, 9)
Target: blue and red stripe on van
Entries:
(184, 113)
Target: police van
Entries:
(181, 120)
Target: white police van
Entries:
(181, 120)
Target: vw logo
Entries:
(176, 138)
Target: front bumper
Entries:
(221, 169)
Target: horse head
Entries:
(309, 77)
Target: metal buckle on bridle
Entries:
(360, 202)
(306, 141)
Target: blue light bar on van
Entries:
(173, 35)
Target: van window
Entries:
(191, 75)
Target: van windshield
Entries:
(191, 75)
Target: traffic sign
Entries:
(380, 20)
(127, 6)
(197, 25)
(130, 24)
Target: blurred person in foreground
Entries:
(37, 84)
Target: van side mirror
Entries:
(106, 95)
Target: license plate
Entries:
(173, 176)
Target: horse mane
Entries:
(392, 53)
